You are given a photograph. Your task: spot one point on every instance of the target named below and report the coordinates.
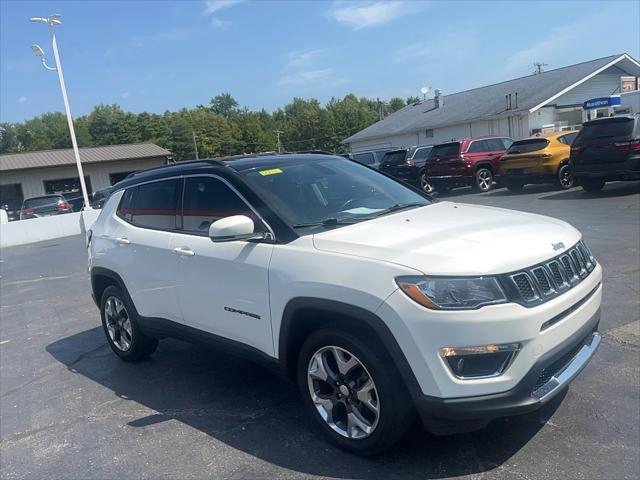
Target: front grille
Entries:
(542, 282)
(558, 366)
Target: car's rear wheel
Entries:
(356, 396)
(484, 180)
(592, 185)
(120, 325)
(565, 177)
(423, 181)
(515, 187)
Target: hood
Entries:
(449, 238)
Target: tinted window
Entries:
(366, 158)
(208, 199)
(152, 205)
(610, 129)
(568, 138)
(507, 142)
(478, 146)
(530, 145)
(394, 158)
(421, 153)
(37, 202)
(309, 191)
(445, 150)
(495, 144)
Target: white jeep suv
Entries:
(378, 301)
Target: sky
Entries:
(165, 55)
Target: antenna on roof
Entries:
(424, 91)
(539, 67)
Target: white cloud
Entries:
(358, 15)
(305, 77)
(213, 6)
(23, 99)
(303, 58)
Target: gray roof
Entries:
(55, 158)
(482, 102)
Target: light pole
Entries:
(52, 21)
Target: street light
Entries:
(52, 21)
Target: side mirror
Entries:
(230, 229)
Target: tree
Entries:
(395, 104)
(411, 100)
(223, 104)
(110, 125)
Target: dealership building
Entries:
(30, 174)
(539, 103)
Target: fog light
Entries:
(479, 361)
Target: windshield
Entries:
(445, 150)
(526, 146)
(315, 191)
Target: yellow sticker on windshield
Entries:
(273, 171)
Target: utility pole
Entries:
(52, 21)
(195, 144)
(278, 132)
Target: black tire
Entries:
(423, 182)
(396, 413)
(592, 185)
(515, 187)
(483, 180)
(140, 345)
(565, 179)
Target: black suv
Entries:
(408, 165)
(605, 150)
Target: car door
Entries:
(223, 287)
(145, 224)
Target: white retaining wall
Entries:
(45, 228)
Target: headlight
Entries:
(452, 293)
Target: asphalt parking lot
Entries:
(70, 409)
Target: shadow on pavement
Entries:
(241, 404)
(618, 189)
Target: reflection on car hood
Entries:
(454, 239)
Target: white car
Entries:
(382, 304)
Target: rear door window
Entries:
(568, 138)
(478, 146)
(421, 153)
(151, 205)
(495, 144)
(529, 145)
(394, 158)
(610, 129)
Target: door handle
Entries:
(184, 251)
(122, 240)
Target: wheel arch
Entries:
(101, 278)
(304, 315)
(486, 165)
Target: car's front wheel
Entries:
(120, 325)
(355, 395)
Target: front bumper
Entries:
(547, 378)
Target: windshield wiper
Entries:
(400, 206)
(327, 222)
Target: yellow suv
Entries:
(538, 160)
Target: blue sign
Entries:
(601, 102)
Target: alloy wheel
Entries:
(484, 179)
(565, 178)
(343, 392)
(118, 323)
(424, 183)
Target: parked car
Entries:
(471, 161)
(408, 165)
(13, 214)
(100, 197)
(377, 301)
(44, 206)
(538, 160)
(605, 150)
(371, 158)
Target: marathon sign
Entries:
(601, 102)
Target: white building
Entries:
(30, 174)
(551, 100)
